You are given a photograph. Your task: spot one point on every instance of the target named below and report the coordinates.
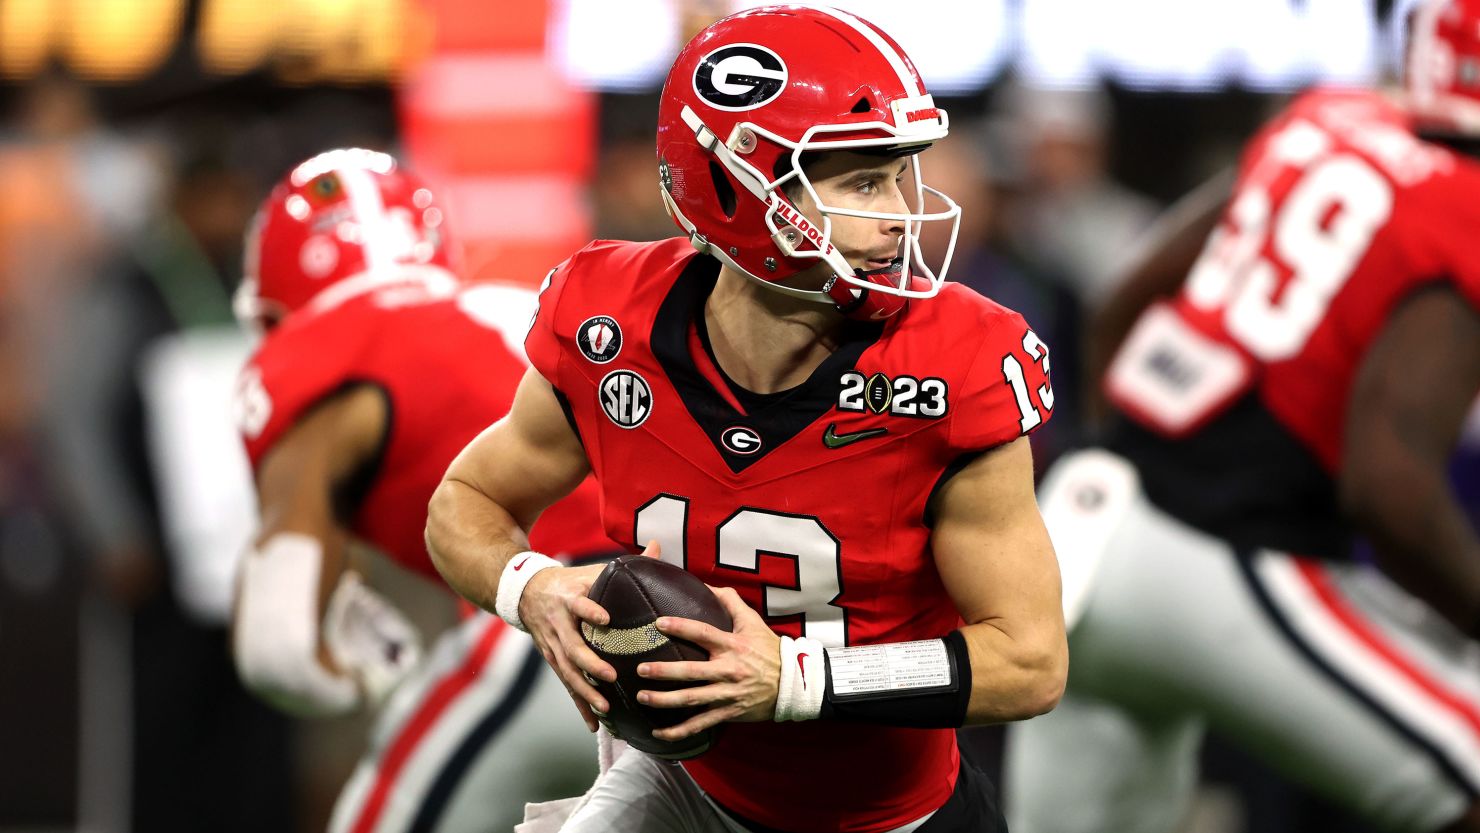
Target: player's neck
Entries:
(766, 341)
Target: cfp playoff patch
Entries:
(903, 395)
(599, 338)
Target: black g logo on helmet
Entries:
(741, 76)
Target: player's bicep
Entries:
(527, 460)
(991, 547)
(1412, 391)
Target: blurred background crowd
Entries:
(137, 137)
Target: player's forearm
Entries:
(1422, 538)
(1167, 252)
(471, 538)
(1014, 676)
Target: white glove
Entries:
(369, 638)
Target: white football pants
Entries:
(1329, 673)
(481, 728)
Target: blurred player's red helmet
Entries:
(342, 223)
(1443, 73)
(753, 92)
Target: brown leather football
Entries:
(635, 590)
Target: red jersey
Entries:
(811, 503)
(1339, 213)
(447, 367)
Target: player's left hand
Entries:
(743, 670)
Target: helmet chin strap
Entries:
(859, 303)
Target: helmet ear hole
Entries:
(723, 188)
(862, 106)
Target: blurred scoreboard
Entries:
(959, 45)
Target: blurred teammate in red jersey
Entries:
(377, 365)
(1303, 387)
(791, 404)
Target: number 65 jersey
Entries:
(812, 503)
(1339, 214)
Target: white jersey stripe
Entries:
(896, 60)
(1351, 655)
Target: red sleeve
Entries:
(1453, 226)
(279, 384)
(544, 343)
(1007, 392)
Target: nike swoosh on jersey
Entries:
(832, 439)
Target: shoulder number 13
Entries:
(747, 535)
(1012, 370)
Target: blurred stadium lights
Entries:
(961, 46)
(120, 41)
(1177, 45)
(104, 40)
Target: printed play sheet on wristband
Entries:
(900, 666)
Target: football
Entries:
(635, 590)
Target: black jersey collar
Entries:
(778, 419)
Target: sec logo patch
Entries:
(599, 338)
(626, 398)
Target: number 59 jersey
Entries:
(1339, 213)
(812, 503)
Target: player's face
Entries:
(866, 183)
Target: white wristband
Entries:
(517, 573)
(803, 680)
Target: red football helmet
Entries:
(753, 92)
(342, 223)
(1443, 73)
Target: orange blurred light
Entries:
(27, 30)
(237, 36)
(116, 40)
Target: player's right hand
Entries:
(552, 608)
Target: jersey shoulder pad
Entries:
(1448, 221)
(1002, 385)
(586, 301)
(1316, 119)
(296, 366)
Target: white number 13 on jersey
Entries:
(747, 535)
(1012, 371)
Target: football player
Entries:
(1303, 386)
(789, 403)
(376, 367)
